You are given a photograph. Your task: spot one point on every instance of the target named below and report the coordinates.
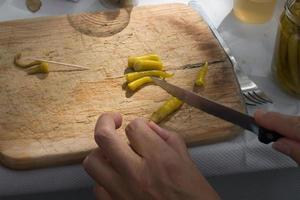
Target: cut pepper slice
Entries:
(133, 59)
(169, 107)
(200, 81)
(139, 82)
(137, 75)
(145, 65)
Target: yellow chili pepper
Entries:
(133, 59)
(145, 65)
(166, 109)
(137, 75)
(139, 82)
(18, 63)
(40, 69)
(201, 75)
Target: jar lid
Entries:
(292, 9)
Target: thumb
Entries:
(286, 125)
(288, 147)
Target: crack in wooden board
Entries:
(50, 121)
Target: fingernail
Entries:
(282, 147)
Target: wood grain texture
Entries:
(49, 120)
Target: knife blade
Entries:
(238, 118)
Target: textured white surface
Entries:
(252, 45)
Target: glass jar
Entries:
(118, 3)
(254, 11)
(286, 60)
(112, 20)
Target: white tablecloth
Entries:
(252, 45)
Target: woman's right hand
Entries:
(288, 126)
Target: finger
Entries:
(286, 125)
(98, 167)
(122, 157)
(171, 138)
(143, 139)
(101, 193)
(117, 119)
(288, 147)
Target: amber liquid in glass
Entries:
(254, 11)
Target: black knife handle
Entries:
(267, 136)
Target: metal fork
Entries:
(253, 95)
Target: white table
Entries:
(252, 45)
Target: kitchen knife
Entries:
(243, 120)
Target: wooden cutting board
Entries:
(49, 120)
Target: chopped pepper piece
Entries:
(201, 75)
(18, 63)
(40, 69)
(145, 65)
(166, 109)
(133, 59)
(137, 75)
(139, 82)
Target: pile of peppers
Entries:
(149, 65)
(144, 67)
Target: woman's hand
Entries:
(288, 126)
(156, 164)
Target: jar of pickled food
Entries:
(286, 60)
(254, 11)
